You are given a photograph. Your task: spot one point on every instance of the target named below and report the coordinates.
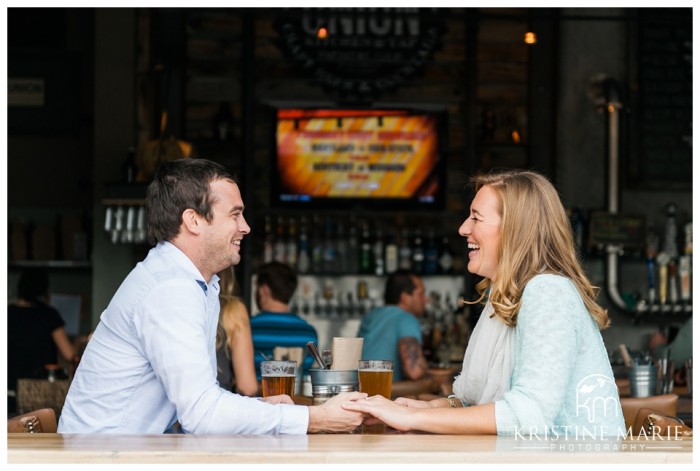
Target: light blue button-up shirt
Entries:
(152, 361)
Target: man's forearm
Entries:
(413, 363)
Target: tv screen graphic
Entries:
(377, 159)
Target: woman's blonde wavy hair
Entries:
(233, 313)
(536, 237)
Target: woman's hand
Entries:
(415, 403)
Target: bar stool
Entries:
(38, 421)
(665, 404)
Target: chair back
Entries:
(34, 394)
(38, 421)
(665, 404)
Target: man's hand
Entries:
(281, 399)
(657, 339)
(331, 417)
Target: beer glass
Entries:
(278, 377)
(375, 377)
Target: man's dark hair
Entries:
(280, 278)
(33, 285)
(401, 281)
(179, 185)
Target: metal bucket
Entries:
(327, 383)
(643, 380)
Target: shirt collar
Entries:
(168, 249)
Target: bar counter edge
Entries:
(339, 448)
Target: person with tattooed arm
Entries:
(393, 332)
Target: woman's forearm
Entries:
(473, 420)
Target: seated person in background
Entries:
(679, 349)
(275, 326)
(36, 333)
(393, 332)
(234, 341)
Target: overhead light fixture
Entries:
(530, 38)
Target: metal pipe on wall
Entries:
(605, 93)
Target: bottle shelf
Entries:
(50, 264)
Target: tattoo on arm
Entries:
(413, 363)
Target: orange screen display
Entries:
(357, 154)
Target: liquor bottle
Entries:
(330, 255)
(303, 257)
(445, 260)
(280, 242)
(222, 123)
(671, 232)
(430, 266)
(269, 244)
(129, 166)
(685, 265)
(418, 254)
(378, 249)
(292, 249)
(405, 256)
(353, 252)
(366, 256)
(341, 246)
(316, 246)
(652, 249)
(391, 255)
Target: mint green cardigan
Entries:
(562, 383)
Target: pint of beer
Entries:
(375, 377)
(278, 377)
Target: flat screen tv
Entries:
(359, 159)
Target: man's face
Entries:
(223, 236)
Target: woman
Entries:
(234, 341)
(36, 333)
(536, 363)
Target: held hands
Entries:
(399, 414)
(332, 416)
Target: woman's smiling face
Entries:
(482, 229)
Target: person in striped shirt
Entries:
(275, 325)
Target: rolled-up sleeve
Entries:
(546, 345)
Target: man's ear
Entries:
(404, 299)
(264, 291)
(191, 221)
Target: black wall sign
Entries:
(365, 51)
(665, 116)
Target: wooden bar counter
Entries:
(346, 448)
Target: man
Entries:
(275, 325)
(151, 360)
(392, 331)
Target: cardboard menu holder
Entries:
(347, 351)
